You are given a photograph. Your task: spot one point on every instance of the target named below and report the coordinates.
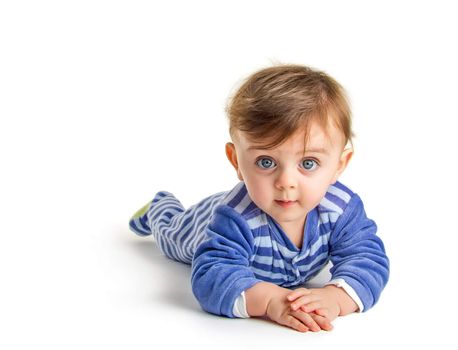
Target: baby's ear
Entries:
(343, 162)
(231, 154)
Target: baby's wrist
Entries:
(259, 297)
(334, 290)
(344, 302)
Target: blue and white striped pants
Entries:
(176, 230)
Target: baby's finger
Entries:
(322, 312)
(294, 323)
(323, 322)
(297, 293)
(304, 300)
(310, 307)
(306, 319)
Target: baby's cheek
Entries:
(259, 193)
(314, 195)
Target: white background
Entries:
(104, 103)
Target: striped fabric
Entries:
(176, 230)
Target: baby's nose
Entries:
(286, 179)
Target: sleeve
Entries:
(239, 308)
(358, 254)
(220, 267)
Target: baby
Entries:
(287, 218)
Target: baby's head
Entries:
(290, 126)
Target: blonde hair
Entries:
(275, 102)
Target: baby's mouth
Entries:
(285, 203)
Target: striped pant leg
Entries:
(177, 230)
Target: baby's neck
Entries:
(295, 232)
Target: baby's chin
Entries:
(288, 214)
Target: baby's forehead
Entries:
(316, 138)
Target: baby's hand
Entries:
(279, 310)
(321, 301)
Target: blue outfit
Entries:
(232, 245)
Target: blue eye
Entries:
(309, 164)
(265, 163)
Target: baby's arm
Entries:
(220, 266)
(360, 266)
(358, 255)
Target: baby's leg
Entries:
(176, 230)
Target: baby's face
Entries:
(285, 182)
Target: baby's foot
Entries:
(139, 221)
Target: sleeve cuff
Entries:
(239, 308)
(339, 282)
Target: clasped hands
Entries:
(305, 309)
